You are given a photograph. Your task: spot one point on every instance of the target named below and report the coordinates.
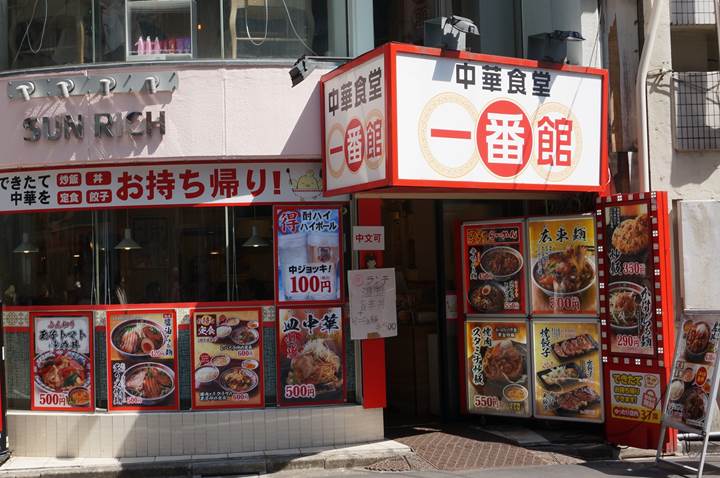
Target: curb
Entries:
(221, 467)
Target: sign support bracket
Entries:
(703, 456)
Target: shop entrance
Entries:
(422, 361)
(413, 376)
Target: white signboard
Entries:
(485, 122)
(699, 231)
(368, 238)
(372, 303)
(355, 125)
(219, 184)
(693, 384)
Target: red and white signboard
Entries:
(368, 238)
(202, 183)
(465, 120)
(355, 124)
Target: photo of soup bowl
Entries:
(541, 274)
(136, 338)
(150, 382)
(497, 262)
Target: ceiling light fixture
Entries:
(26, 247)
(255, 240)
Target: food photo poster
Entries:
(563, 266)
(694, 374)
(493, 268)
(62, 362)
(142, 360)
(567, 370)
(309, 254)
(498, 367)
(630, 274)
(311, 356)
(227, 358)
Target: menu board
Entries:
(635, 396)
(694, 374)
(309, 254)
(142, 360)
(227, 358)
(567, 370)
(62, 362)
(372, 303)
(498, 367)
(563, 268)
(628, 229)
(311, 356)
(493, 268)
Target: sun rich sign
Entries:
(456, 119)
(105, 125)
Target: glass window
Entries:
(252, 272)
(285, 28)
(162, 255)
(49, 32)
(41, 33)
(46, 259)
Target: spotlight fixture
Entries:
(552, 46)
(108, 84)
(26, 89)
(25, 246)
(304, 65)
(66, 87)
(301, 70)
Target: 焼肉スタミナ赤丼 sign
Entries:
(403, 115)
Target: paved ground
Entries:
(613, 469)
(462, 447)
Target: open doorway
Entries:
(413, 381)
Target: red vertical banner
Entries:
(636, 314)
(373, 350)
(142, 360)
(61, 357)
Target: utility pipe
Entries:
(641, 97)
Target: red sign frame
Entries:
(620, 431)
(261, 367)
(91, 345)
(108, 339)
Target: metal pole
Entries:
(641, 96)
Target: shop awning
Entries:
(403, 116)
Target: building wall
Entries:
(217, 112)
(685, 175)
(130, 435)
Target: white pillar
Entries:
(361, 32)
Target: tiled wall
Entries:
(127, 435)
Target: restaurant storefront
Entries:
(174, 259)
(172, 275)
(525, 288)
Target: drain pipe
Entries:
(641, 99)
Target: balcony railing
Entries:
(696, 108)
(692, 12)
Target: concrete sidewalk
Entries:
(253, 463)
(598, 469)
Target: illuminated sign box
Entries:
(403, 115)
